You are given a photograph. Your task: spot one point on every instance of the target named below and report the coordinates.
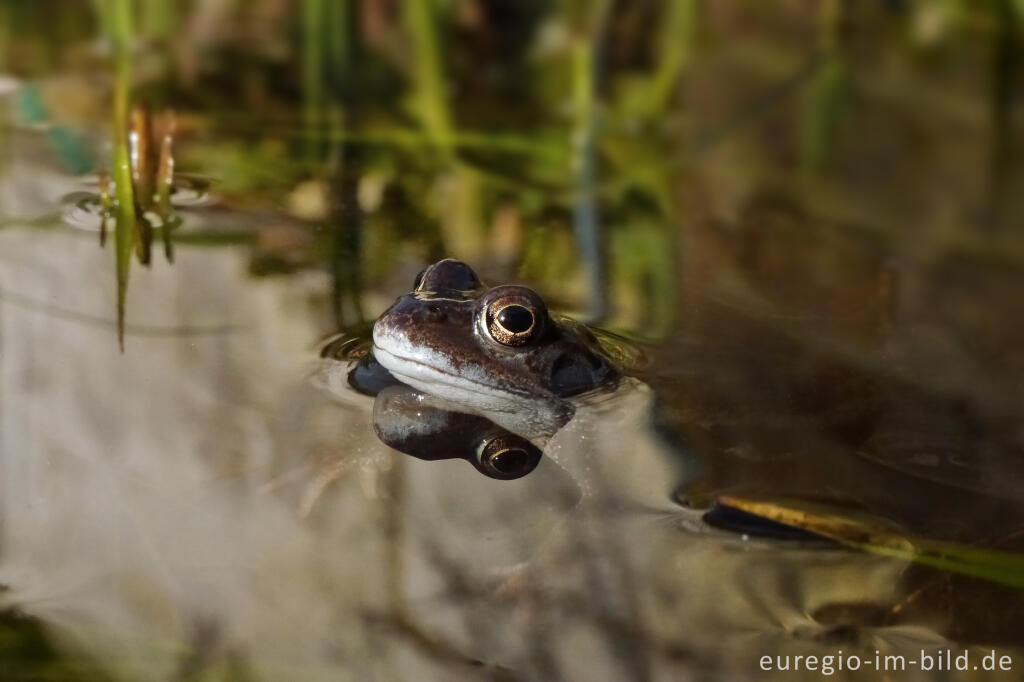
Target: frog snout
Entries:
(409, 312)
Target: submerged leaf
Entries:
(1006, 568)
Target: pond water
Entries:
(796, 232)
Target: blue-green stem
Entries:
(586, 221)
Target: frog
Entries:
(494, 351)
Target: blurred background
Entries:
(807, 211)
(577, 144)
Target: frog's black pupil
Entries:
(509, 461)
(515, 318)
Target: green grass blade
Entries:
(998, 566)
(124, 217)
(430, 100)
(675, 42)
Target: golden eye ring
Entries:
(507, 457)
(511, 323)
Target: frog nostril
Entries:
(433, 313)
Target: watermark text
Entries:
(938, 660)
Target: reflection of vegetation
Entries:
(28, 654)
(1006, 568)
(826, 89)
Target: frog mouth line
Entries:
(396, 364)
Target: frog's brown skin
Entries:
(445, 338)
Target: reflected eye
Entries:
(512, 324)
(507, 457)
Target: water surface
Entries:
(805, 221)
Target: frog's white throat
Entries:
(469, 387)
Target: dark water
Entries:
(806, 218)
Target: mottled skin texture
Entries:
(436, 339)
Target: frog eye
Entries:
(508, 456)
(511, 324)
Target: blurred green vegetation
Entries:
(27, 655)
(436, 118)
(571, 143)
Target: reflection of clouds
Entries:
(197, 494)
(758, 600)
(132, 484)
